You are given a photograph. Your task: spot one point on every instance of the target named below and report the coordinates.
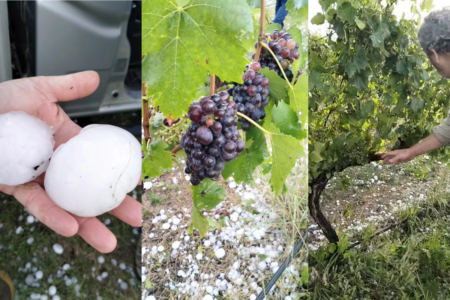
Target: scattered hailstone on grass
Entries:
(208, 297)
(147, 185)
(56, 297)
(150, 298)
(39, 275)
(52, 290)
(30, 219)
(19, 230)
(26, 146)
(30, 240)
(58, 249)
(101, 259)
(176, 245)
(92, 173)
(219, 253)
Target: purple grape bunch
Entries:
(252, 96)
(285, 50)
(212, 138)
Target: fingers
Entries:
(96, 234)
(66, 131)
(36, 200)
(73, 86)
(129, 211)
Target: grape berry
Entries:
(212, 137)
(252, 96)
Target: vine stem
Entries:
(145, 122)
(212, 85)
(261, 30)
(182, 172)
(253, 122)
(279, 65)
(176, 149)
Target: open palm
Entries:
(38, 96)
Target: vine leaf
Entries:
(318, 19)
(285, 152)
(417, 104)
(270, 28)
(287, 121)
(206, 195)
(277, 89)
(156, 160)
(182, 44)
(254, 155)
(299, 97)
(298, 9)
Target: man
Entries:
(434, 37)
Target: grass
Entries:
(15, 253)
(155, 199)
(411, 261)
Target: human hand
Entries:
(398, 156)
(38, 96)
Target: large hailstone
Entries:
(26, 146)
(93, 172)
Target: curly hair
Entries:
(435, 32)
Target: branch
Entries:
(261, 30)
(145, 121)
(176, 149)
(212, 85)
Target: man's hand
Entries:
(38, 96)
(398, 156)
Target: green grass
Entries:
(409, 262)
(15, 253)
(155, 198)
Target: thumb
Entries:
(73, 86)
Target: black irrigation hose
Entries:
(281, 269)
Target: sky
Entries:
(404, 6)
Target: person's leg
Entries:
(281, 15)
(6, 287)
(277, 6)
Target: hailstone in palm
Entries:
(92, 173)
(26, 146)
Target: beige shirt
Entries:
(442, 132)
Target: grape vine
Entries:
(255, 118)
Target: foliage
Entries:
(186, 40)
(371, 86)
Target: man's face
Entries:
(441, 62)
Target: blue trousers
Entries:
(280, 12)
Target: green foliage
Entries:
(184, 40)
(206, 195)
(156, 160)
(371, 85)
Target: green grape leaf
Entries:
(417, 104)
(379, 35)
(318, 19)
(245, 165)
(270, 28)
(277, 85)
(157, 160)
(199, 222)
(182, 44)
(361, 25)
(346, 12)
(298, 98)
(285, 152)
(287, 121)
(298, 9)
(249, 38)
(208, 194)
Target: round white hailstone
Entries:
(166, 226)
(39, 275)
(26, 146)
(104, 274)
(174, 227)
(160, 248)
(207, 243)
(150, 298)
(199, 256)
(56, 297)
(29, 279)
(187, 238)
(30, 240)
(44, 297)
(219, 253)
(163, 216)
(30, 219)
(262, 265)
(58, 249)
(288, 298)
(272, 215)
(234, 217)
(107, 222)
(66, 267)
(236, 265)
(147, 185)
(19, 230)
(123, 285)
(232, 185)
(52, 290)
(92, 173)
(101, 259)
(122, 266)
(176, 245)
(151, 235)
(175, 220)
(181, 273)
(208, 297)
(35, 296)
